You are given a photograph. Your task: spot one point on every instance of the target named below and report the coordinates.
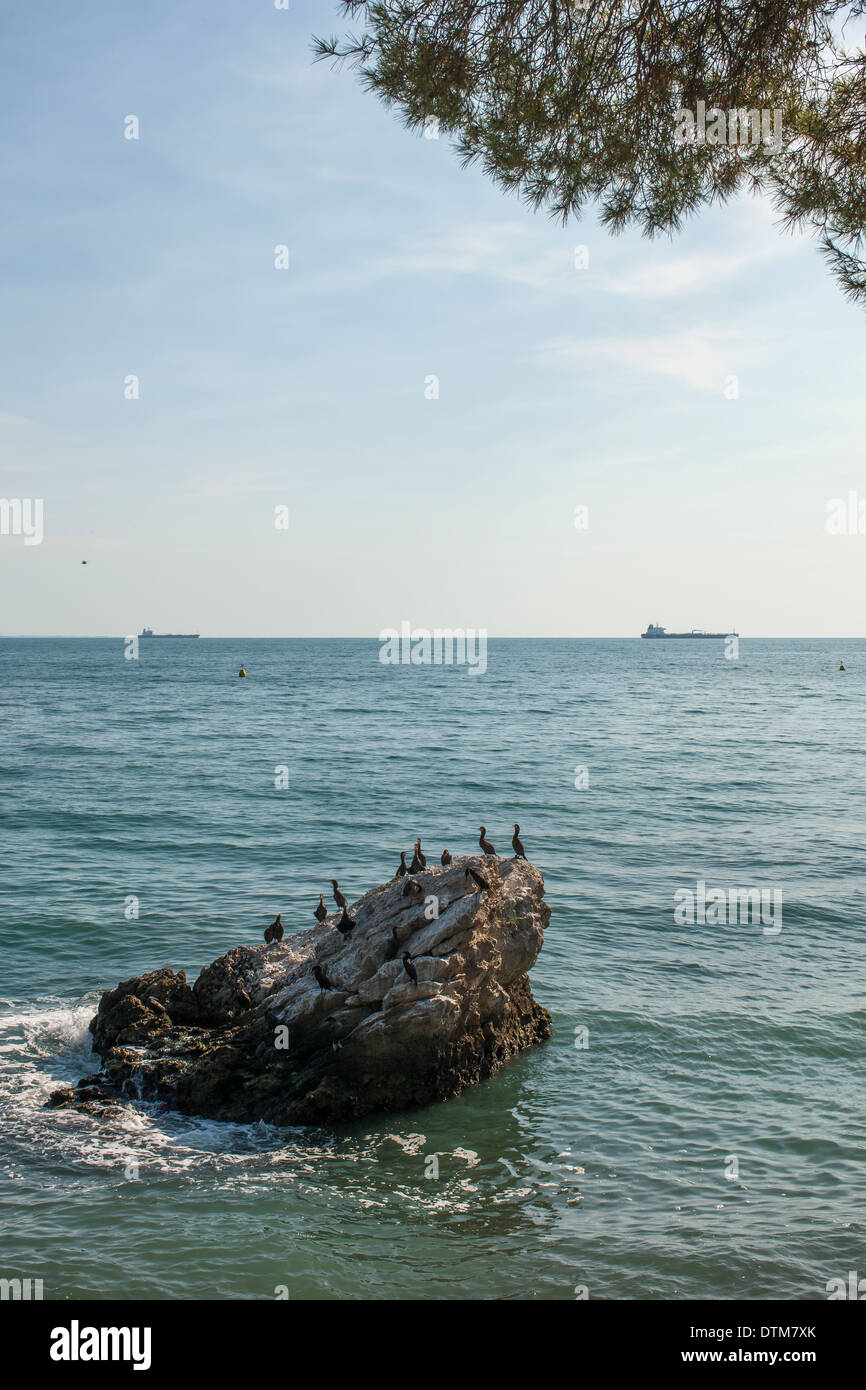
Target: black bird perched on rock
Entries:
(275, 931)
(411, 888)
(410, 969)
(484, 842)
(419, 862)
(393, 945)
(321, 978)
(516, 843)
(402, 870)
(345, 924)
(339, 898)
(446, 856)
(321, 911)
(479, 879)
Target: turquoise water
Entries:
(601, 1166)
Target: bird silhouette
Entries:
(479, 879)
(275, 931)
(517, 844)
(321, 911)
(321, 978)
(409, 967)
(446, 856)
(345, 924)
(411, 888)
(402, 870)
(484, 842)
(339, 898)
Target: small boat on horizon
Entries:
(149, 632)
(655, 631)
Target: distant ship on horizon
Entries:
(149, 632)
(655, 631)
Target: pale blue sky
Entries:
(601, 386)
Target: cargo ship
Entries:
(655, 631)
(149, 632)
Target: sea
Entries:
(694, 1128)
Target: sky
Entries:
(562, 384)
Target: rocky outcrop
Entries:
(258, 1037)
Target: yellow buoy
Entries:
(242, 672)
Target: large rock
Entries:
(141, 1008)
(258, 1038)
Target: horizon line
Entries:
(525, 637)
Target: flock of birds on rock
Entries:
(411, 888)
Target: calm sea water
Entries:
(602, 1166)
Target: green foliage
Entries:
(570, 102)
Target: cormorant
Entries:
(345, 924)
(479, 879)
(446, 856)
(418, 860)
(402, 870)
(339, 898)
(393, 945)
(410, 969)
(321, 911)
(411, 887)
(516, 844)
(321, 978)
(275, 931)
(484, 842)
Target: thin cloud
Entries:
(484, 248)
(682, 275)
(521, 254)
(700, 360)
